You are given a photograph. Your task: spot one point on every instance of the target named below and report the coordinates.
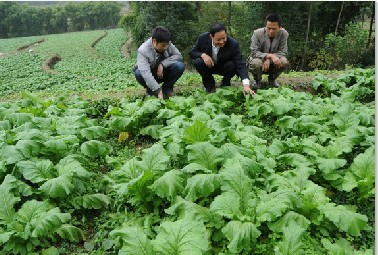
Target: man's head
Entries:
(273, 23)
(161, 38)
(218, 35)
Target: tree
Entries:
(178, 17)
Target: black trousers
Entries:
(225, 69)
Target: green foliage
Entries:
(178, 17)
(203, 171)
(25, 20)
(335, 55)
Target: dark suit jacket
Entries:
(230, 51)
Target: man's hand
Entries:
(247, 90)
(160, 71)
(266, 65)
(160, 95)
(276, 61)
(208, 60)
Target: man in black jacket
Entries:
(217, 53)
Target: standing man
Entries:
(217, 53)
(159, 61)
(268, 51)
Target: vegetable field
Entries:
(284, 172)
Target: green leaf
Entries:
(152, 130)
(201, 185)
(166, 114)
(135, 241)
(182, 237)
(345, 120)
(32, 134)
(279, 225)
(313, 197)
(205, 154)
(7, 202)
(286, 123)
(60, 186)
(345, 219)
(169, 185)
(95, 148)
(198, 132)
(275, 204)
(226, 205)
(35, 172)
(10, 154)
(50, 251)
(241, 235)
(328, 167)
(91, 201)
(4, 237)
(361, 173)
(17, 187)
(291, 243)
(94, 132)
(182, 208)
(31, 210)
(69, 232)
(154, 159)
(70, 165)
(235, 181)
(294, 159)
(60, 145)
(277, 147)
(49, 222)
(195, 167)
(70, 125)
(138, 187)
(17, 119)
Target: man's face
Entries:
(272, 28)
(161, 46)
(219, 39)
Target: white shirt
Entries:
(214, 53)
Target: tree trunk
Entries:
(307, 35)
(308, 23)
(229, 17)
(338, 19)
(371, 24)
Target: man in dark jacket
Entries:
(217, 53)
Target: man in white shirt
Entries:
(217, 53)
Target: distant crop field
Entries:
(89, 61)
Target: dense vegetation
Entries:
(318, 31)
(18, 20)
(284, 172)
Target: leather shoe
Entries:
(225, 83)
(169, 93)
(210, 90)
(274, 83)
(256, 85)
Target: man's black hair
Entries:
(273, 17)
(161, 35)
(218, 27)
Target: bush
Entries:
(340, 51)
